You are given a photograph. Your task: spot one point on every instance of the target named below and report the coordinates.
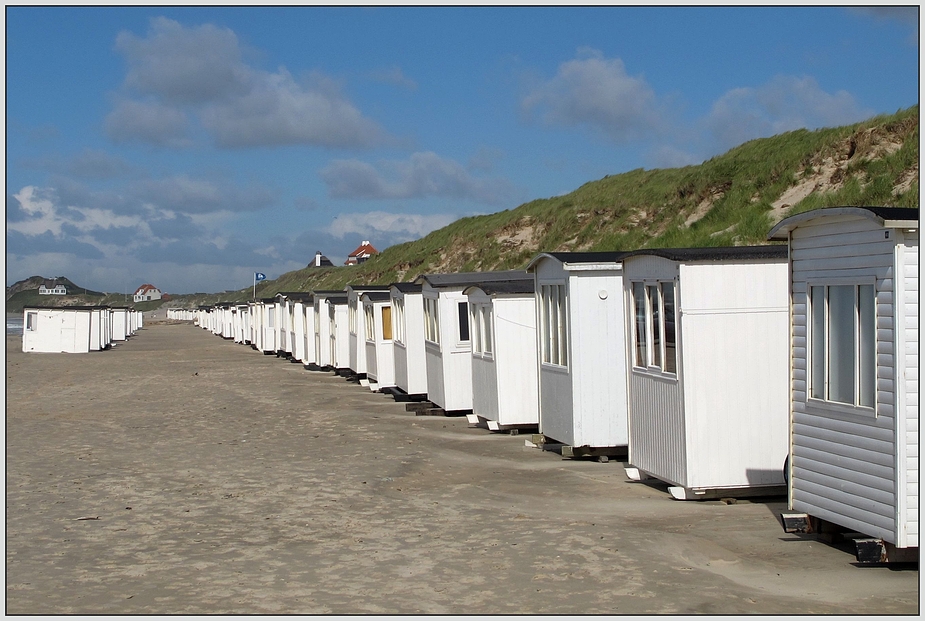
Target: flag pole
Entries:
(255, 286)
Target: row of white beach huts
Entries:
(77, 329)
(721, 371)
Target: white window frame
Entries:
(369, 316)
(398, 320)
(462, 312)
(824, 403)
(553, 312)
(432, 320)
(31, 321)
(656, 358)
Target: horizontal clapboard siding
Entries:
(843, 464)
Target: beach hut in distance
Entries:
(854, 401)
(581, 340)
(378, 331)
(308, 320)
(338, 333)
(505, 363)
(265, 325)
(357, 328)
(447, 346)
(64, 330)
(322, 328)
(299, 302)
(120, 323)
(708, 365)
(408, 341)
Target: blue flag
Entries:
(258, 276)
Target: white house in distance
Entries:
(708, 364)
(854, 443)
(146, 293)
(581, 336)
(361, 254)
(52, 287)
(502, 319)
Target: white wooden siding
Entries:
(410, 364)
(516, 357)
(842, 462)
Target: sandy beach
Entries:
(182, 473)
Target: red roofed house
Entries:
(146, 293)
(362, 253)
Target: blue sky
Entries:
(191, 147)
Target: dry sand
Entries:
(221, 480)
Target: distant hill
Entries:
(26, 293)
(731, 199)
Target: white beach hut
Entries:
(322, 328)
(338, 333)
(854, 459)
(447, 345)
(57, 330)
(120, 325)
(505, 362)
(708, 363)
(357, 328)
(378, 331)
(309, 357)
(581, 339)
(408, 340)
(264, 325)
(299, 302)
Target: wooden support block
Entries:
(431, 412)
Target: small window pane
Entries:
(486, 322)
(842, 332)
(463, 314)
(639, 298)
(561, 318)
(386, 323)
(476, 327)
(817, 348)
(656, 326)
(671, 364)
(867, 355)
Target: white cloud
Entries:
(783, 104)
(598, 94)
(179, 72)
(424, 174)
(393, 226)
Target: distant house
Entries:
(361, 254)
(146, 293)
(320, 261)
(51, 287)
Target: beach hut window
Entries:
(271, 314)
(431, 321)
(654, 330)
(486, 329)
(639, 299)
(399, 306)
(352, 312)
(671, 347)
(31, 319)
(463, 314)
(370, 322)
(843, 354)
(476, 328)
(386, 323)
(654, 304)
(553, 304)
